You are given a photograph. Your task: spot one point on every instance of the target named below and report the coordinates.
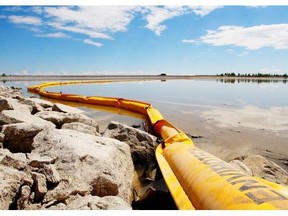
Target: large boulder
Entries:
(77, 126)
(35, 106)
(41, 102)
(14, 116)
(19, 137)
(60, 118)
(142, 144)
(263, 168)
(98, 203)
(66, 109)
(102, 164)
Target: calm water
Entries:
(173, 97)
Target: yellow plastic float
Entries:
(195, 178)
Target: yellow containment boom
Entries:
(195, 178)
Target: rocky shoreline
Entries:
(53, 157)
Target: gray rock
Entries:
(81, 128)
(22, 108)
(263, 168)
(141, 143)
(35, 160)
(2, 138)
(35, 106)
(97, 203)
(66, 109)
(14, 116)
(17, 161)
(11, 181)
(59, 118)
(241, 167)
(10, 92)
(41, 102)
(19, 137)
(64, 190)
(40, 186)
(51, 174)
(4, 104)
(87, 159)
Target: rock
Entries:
(36, 161)
(66, 109)
(35, 106)
(43, 103)
(14, 116)
(51, 174)
(266, 169)
(40, 186)
(87, 159)
(9, 91)
(11, 181)
(81, 128)
(97, 203)
(64, 190)
(4, 104)
(241, 166)
(141, 143)
(22, 108)
(16, 161)
(19, 137)
(2, 138)
(59, 118)
(24, 195)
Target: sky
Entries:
(143, 39)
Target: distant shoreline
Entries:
(129, 77)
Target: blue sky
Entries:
(143, 39)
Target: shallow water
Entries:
(179, 100)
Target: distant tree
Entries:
(285, 75)
(3, 75)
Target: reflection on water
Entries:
(255, 80)
(175, 98)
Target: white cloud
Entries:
(25, 20)
(90, 32)
(96, 22)
(251, 38)
(53, 35)
(204, 10)
(88, 41)
(2, 17)
(155, 16)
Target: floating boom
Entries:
(195, 178)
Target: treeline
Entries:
(232, 80)
(251, 75)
